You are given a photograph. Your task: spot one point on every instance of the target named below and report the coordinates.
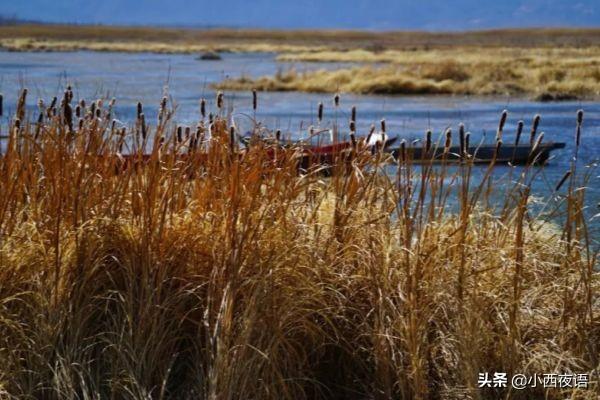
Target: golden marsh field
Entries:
(159, 261)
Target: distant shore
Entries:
(543, 64)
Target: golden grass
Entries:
(203, 271)
(541, 73)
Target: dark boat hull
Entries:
(484, 154)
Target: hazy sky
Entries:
(364, 14)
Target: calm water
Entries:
(146, 77)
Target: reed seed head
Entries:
(534, 128)
(562, 181)
(203, 108)
(448, 141)
(220, 100)
(320, 112)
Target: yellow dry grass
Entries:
(193, 269)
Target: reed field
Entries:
(543, 64)
(159, 261)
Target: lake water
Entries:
(146, 77)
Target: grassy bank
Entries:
(203, 271)
(540, 73)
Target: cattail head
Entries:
(1, 105)
(371, 132)
(78, 111)
(352, 127)
(520, 125)
(383, 125)
(534, 127)
(563, 180)
(278, 135)
(403, 155)
(179, 134)
(320, 112)
(501, 124)
(203, 108)
(448, 141)
(428, 140)
(98, 112)
(220, 100)
(232, 137)
(336, 100)
(353, 114)
(211, 118)
(467, 140)
(578, 131)
(188, 132)
(461, 138)
(143, 126)
(139, 110)
(80, 124)
(254, 99)
(21, 104)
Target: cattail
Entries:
(220, 100)
(371, 132)
(21, 105)
(140, 110)
(352, 126)
(80, 125)
(467, 140)
(211, 118)
(461, 138)
(203, 108)
(38, 126)
(122, 139)
(254, 99)
(69, 93)
(520, 125)
(320, 112)
(353, 114)
(501, 125)
(93, 108)
(403, 156)
(578, 131)
(563, 180)
(232, 138)
(143, 125)
(78, 111)
(1, 105)
(383, 125)
(278, 135)
(534, 127)
(336, 100)
(428, 141)
(352, 137)
(82, 103)
(199, 130)
(68, 115)
(448, 142)
(188, 131)
(98, 112)
(179, 134)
